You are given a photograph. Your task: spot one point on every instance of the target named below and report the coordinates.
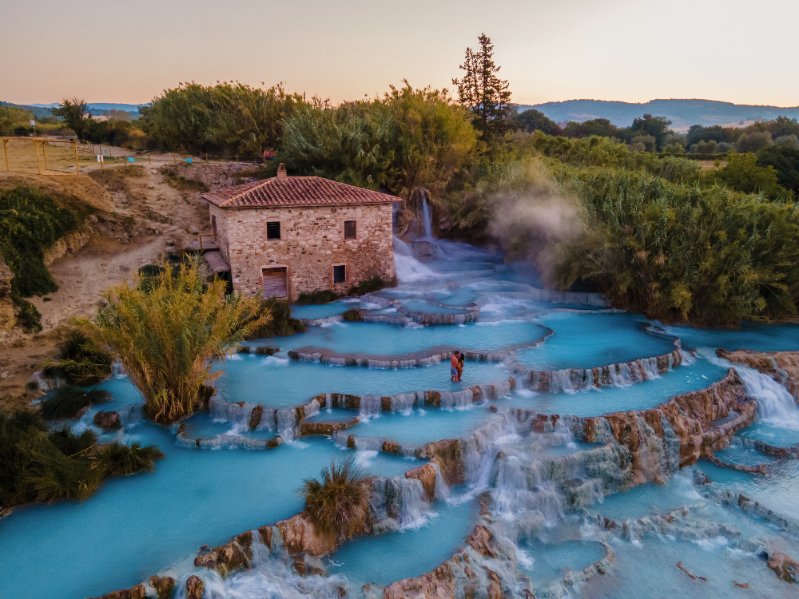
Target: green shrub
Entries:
(353, 315)
(338, 503)
(369, 286)
(281, 324)
(28, 315)
(68, 402)
(80, 362)
(70, 444)
(324, 296)
(708, 255)
(42, 466)
(117, 459)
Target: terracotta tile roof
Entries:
(279, 192)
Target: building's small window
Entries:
(273, 229)
(339, 274)
(349, 229)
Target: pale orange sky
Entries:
(633, 50)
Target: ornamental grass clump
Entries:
(37, 465)
(167, 333)
(338, 504)
(80, 362)
(70, 402)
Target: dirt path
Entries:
(152, 217)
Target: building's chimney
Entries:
(281, 171)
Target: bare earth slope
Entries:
(140, 217)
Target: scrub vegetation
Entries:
(638, 212)
(37, 465)
(338, 502)
(167, 332)
(31, 221)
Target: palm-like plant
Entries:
(338, 503)
(167, 333)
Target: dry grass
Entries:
(22, 152)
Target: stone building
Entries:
(290, 235)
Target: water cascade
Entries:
(535, 475)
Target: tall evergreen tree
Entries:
(481, 90)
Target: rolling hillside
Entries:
(682, 113)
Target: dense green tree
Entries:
(74, 111)
(409, 138)
(13, 119)
(742, 173)
(434, 138)
(535, 120)
(717, 133)
(785, 161)
(654, 126)
(480, 90)
(228, 118)
(753, 141)
(600, 127)
(680, 252)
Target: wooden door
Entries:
(275, 282)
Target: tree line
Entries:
(473, 148)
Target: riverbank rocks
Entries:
(784, 567)
(300, 536)
(164, 586)
(107, 420)
(448, 456)
(580, 379)
(692, 425)
(782, 366)
(233, 555)
(195, 587)
(427, 476)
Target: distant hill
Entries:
(682, 113)
(96, 108)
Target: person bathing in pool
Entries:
(461, 360)
(454, 367)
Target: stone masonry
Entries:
(312, 241)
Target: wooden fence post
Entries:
(5, 152)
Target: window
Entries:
(273, 229)
(339, 274)
(349, 229)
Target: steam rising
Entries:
(532, 217)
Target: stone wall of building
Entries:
(312, 242)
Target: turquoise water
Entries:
(136, 526)
(640, 396)
(314, 311)
(773, 435)
(650, 498)
(745, 456)
(421, 427)
(776, 490)
(546, 563)
(393, 340)
(649, 569)
(750, 336)
(390, 557)
(279, 382)
(587, 339)
(429, 308)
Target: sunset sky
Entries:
(632, 50)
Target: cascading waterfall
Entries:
(775, 405)
(427, 219)
(408, 268)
